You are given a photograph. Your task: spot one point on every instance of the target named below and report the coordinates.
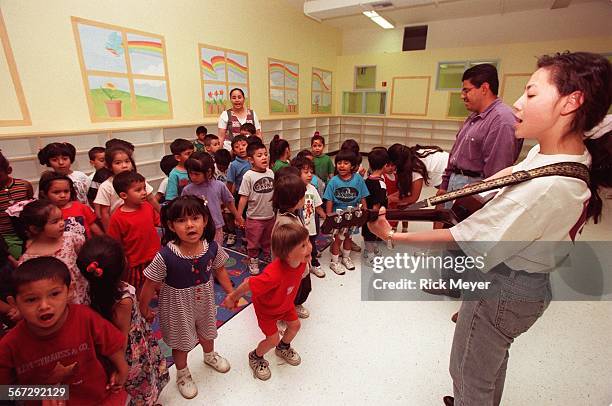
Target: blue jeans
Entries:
(487, 325)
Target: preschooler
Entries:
(133, 225)
(273, 293)
(102, 262)
(238, 166)
(182, 272)
(199, 142)
(280, 153)
(178, 178)
(256, 189)
(378, 158)
(200, 168)
(60, 156)
(44, 223)
(324, 167)
(59, 190)
(345, 189)
(61, 343)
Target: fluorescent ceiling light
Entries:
(378, 19)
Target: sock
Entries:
(182, 372)
(346, 253)
(283, 345)
(209, 356)
(253, 354)
(335, 258)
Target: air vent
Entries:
(381, 5)
(415, 38)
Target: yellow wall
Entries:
(43, 43)
(513, 58)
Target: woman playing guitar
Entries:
(568, 95)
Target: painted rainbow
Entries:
(150, 48)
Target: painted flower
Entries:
(108, 90)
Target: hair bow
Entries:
(95, 269)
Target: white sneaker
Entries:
(253, 266)
(185, 384)
(336, 267)
(217, 362)
(231, 240)
(302, 312)
(348, 263)
(317, 271)
(290, 355)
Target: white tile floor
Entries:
(384, 353)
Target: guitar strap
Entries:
(568, 169)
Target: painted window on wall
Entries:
(364, 103)
(321, 100)
(365, 77)
(283, 86)
(125, 72)
(221, 70)
(450, 73)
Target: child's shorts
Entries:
(267, 323)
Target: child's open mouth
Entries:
(46, 317)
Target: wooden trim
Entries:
(12, 67)
(129, 75)
(391, 113)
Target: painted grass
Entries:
(147, 106)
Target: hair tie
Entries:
(95, 269)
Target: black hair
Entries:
(106, 254)
(167, 163)
(95, 151)
(223, 157)
(289, 189)
(4, 163)
(38, 269)
(317, 137)
(378, 158)
(124, 180)
(305, 153)
(186, 206)
(408, 160)
(201, 130)
(180, 145)
(36, 214)
(116, 142)
(209, 139)
(46, 181)
(589, 74)
(278, 146)
(249, 127)
(254, 146)
(109, 155)
(301, 162)
(236, 88)
(237, 139)
(56, 149)
(201, 162)
(481, 73)
(352, 145)
(348, 155)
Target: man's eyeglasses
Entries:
(466, 90)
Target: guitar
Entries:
(467, 200)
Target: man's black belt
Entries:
(465, 172)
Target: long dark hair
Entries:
(106, 254)
(46, 181)
(408, 160)
(186, 206)
(589, 74)
(278, 146)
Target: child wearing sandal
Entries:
(273, 293)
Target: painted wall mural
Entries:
(321, 92)
(283, 86)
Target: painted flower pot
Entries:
(113, 107)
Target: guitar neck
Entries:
(414, 215)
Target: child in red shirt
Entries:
(60, 343)
(273, 293)
(59, 190)
(133, 225)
